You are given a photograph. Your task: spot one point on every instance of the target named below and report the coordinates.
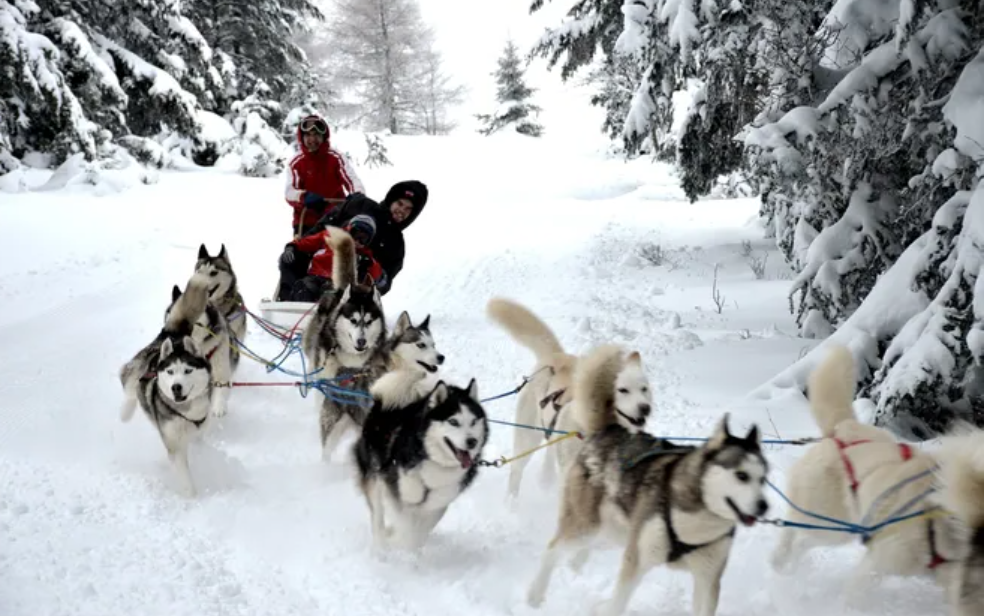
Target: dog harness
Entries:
(906, 452)
(679, 549)
(552, 399)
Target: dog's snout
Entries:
(761, 507)
(441, 359)
(176, 389)
(361, 342)
(644, 409)
(471, 442)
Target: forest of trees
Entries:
(859, 124)
(159, 79)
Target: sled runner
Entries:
(287, 314)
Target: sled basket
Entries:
(287, 314)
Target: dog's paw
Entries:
(535, 596)
(218, 411)
(127, 408)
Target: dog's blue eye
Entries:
(454, 423)
(742, 476)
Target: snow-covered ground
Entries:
(90, 523)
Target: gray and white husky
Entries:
(412, 361)
(224, 293)
(546, 400)
(175, 394)
(346, 338)
(415, 460)
(668, 504)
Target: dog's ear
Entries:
(721, 433)
(175, 293)
(753, 437)
(346, 295)
(377, 298)
(473, 390)
(203, 252)
(167, 348)
(425, 324)
(191, 347)
(437, 396)
(403, 324)
(223, 254)
(634, 358)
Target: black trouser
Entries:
(310, 289)
(290, 273)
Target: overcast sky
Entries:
(471, 35)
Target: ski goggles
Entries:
(314, 125)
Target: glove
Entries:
(381, 282)
(362, 266)
(287, 257)
(314, 201)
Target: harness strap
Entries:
(906, 453)
(679, 549)
(936, 560)
(849, 468)
(552, 399)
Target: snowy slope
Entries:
(89, 520)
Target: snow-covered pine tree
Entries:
(376, 53)
(262, 151)
(259, 37)
(38, 109)
(513, 95)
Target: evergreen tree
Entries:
(513, 95)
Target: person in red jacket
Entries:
(318, 177)
(362, 228)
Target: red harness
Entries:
(906, 452)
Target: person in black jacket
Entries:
(399, 209)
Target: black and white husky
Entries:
(224, 293)
(345, 338)
(669, 504)
(413, 461)
(412, 361)
(172, 380)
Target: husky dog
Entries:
(224, 293)
(668, 504)
(861, 474)
(545, 401)
(176, 399)
(961, 483)
(414, 460)
(211, 334)
(345, 337)
(412, 364)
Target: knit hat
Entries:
(362, 224)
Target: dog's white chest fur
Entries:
(429, 486)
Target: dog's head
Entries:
(183, 372)
(632, 398)
(413, 345)
(217, 269)
(735, 475)
(359, 324)
(456, 425)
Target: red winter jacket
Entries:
(322, 172)
(321, 262)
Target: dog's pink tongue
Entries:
(463, 458)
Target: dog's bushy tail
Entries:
(831, 389)
(594, 388)
(187, 308)
(523, 326)
(343, 249)
(961, 475)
